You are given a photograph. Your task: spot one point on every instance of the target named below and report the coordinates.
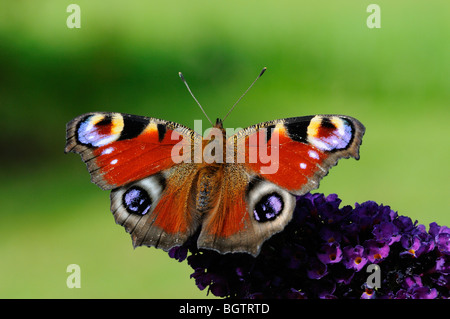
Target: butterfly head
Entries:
(219, 124)
(216, 131)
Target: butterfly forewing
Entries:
(121, 148)
(302, 149)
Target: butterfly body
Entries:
(169, 183)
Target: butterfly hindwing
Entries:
(156, 210)
(249, 211)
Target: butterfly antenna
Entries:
(189, 89)
(260, 74)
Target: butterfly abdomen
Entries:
(207, 187)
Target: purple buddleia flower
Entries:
(316, 269)
(414, 289)
(443, 240)
(386, 232)
(330, 235)
(324, 253)
(443, 265)
(355, 257)
(376, 250)
(330, 253)
(424, 293)
(368, 292)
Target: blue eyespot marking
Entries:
(268, 208)
(137, 201)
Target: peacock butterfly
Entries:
(168, 182)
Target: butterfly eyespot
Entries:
(99, 130)
(268, 208)
(137, 201)
(330, 133)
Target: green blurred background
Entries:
(321, 58)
